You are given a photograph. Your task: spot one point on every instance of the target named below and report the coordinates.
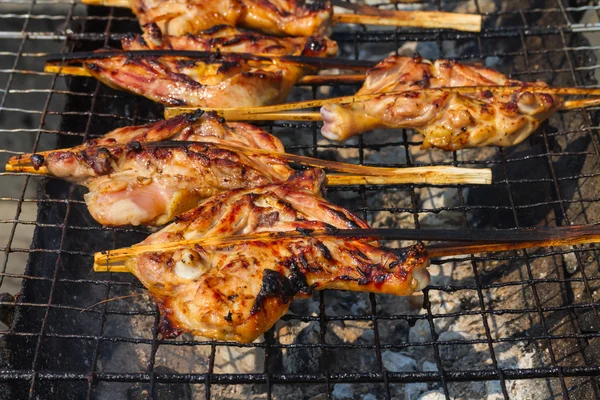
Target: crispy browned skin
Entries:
(198, 126)
(131, 182)
(237, 292)
(228, 39)
(223, 82)
(275, 17)
(449, 121)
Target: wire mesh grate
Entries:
(503, 325)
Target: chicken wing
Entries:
(276, 17)
(237, 292)
(448, 120)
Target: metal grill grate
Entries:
(507, 325)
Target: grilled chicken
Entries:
(228, 39)
(220, 82)
(449, 121)
(133, 182)
(238, 291)
(199, 126)
(224, 82)
(276, 17)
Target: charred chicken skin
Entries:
(238, 291)
(221, 82)
(133, 182)
(275, 17)
(198, 126)
(228, 39)
(449, 121)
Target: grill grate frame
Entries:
(73, 109)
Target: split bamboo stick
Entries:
(463, 242)
(419, 19)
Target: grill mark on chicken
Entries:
(449, 121)
(288, 18)
(238, 291)
(220, 81)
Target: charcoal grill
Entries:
(505, 325)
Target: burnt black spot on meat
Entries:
(304, 231)
(185, 63)
(232, 41)
(214, 29)
(297, 279)
(379, 279)
(358, 254)
(135, 146)
(193, 117)
(37, 160)
(324, 250)
(487, 94)
(228, 317)
(362, 272)
(168, 329)
(232, 297)
(274, 285)
(339, 214)
(227, 66)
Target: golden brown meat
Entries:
(224, 82)
(276, 17)
(134, 182)
(449, 121)
(221, 82)
(237, 292)
(199, 126)
(228, 39)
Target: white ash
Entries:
(398, 362)
(413, 391)
(433, 395)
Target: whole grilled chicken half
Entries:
(449, 121)
(222, 81)
(275, 17)
(238, 291)
(134, 182)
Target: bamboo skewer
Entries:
(276, 112)
(463, 242)
(420, 19)
(355, 174)
(73, 70)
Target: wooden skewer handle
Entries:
(420, 19)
